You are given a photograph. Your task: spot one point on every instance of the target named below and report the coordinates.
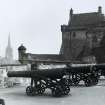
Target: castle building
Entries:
(83, 36)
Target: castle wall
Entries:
(78, 44)
(72, 43)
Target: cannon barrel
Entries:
(79, 69)
(49, 73)
(82, 69)
(100, 66)
(54, 73)
(45, 73)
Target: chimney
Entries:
(100, 9)
(70, 16)
(71, 12)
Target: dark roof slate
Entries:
(86, 19)
(45, 57)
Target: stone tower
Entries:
(9, 51)
(22, 54)
(82, 36)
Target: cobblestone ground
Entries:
(81, 95)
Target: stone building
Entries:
(25, 57)
(82, 37)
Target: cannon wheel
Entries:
(41, 88)
(65, 86)
(75, 82)
(94, 80)
(57, 91)
(66, 90)
(76, 79)
(88, 82)
(30, 91)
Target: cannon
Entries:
(87, 73)
(54, 79)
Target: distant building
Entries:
(8, 82)
(8, 63)
(83, 38)
(25, 58)
(3, 76)
(8, 59)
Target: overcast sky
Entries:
(36, 23)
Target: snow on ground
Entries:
(80, 95)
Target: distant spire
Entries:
(9, 53)
(9, 41)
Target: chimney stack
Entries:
(71, 12)
(100, 9)
(70, 15)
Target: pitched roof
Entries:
(49, 58)
(45, 57)
(86, 19)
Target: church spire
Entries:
(9, 41)
(9, 53)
